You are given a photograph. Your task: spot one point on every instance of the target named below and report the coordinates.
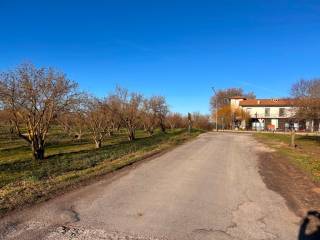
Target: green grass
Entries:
(306, 155)
(68, 162)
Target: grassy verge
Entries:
(23, 181)
(306, 155)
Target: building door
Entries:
(275, 123)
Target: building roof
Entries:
(238, 97)
(267, 102)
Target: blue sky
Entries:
(178, 49)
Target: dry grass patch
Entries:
(306, 155)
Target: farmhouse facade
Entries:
(271, 114)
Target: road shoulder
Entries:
(301, 193)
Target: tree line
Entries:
(33, 99)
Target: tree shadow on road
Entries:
(310, 227)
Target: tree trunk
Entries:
(11, 133)
(189, 126)
(98, 143)
(39, 154)
(110, 133)
(150, 131)
(79, 136)
(38, 150)
(131, 135)
(163, 127)
(293, 136)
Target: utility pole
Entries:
(215, 93)
(189, 123)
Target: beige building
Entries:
(271, 114)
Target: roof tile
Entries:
(267, 102)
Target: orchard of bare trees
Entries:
(32, 100)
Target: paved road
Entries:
(208, 188)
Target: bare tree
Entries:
(73, 123)
(34, 97)
(307, 98)
(160, 109)
(114, 106)
(175, 120)
(306, 94)
(149, 117)
(223, 96)
(128, 107)
(228, 116)
(6, 123)
(73, 120)
(98, 118)
(201, 121)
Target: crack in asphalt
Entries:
(73, 214)
(260, 220)
(213, 231)
(233, 224)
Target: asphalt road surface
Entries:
(209, 188)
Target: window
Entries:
(281, 112)
(267, 112)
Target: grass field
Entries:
(68, 162)
(306, 155)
